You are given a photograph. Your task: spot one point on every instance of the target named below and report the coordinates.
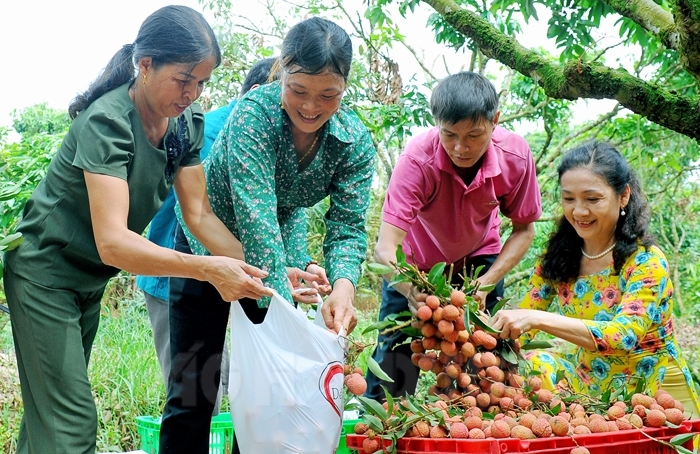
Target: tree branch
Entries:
(577, 79)
(687, 18)
(650, 16)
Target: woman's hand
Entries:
(337, 310)
(235, 279)
(321, 283)
(302, 292)
(513, 323)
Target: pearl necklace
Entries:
(597, 256)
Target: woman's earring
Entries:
(622, 211)
(144, 79)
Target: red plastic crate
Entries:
(620, 442)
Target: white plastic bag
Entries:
(285, 382)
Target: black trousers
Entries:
(394, 358)
(198, 322)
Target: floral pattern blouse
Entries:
(259, 191)
(629, 316)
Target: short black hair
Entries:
(258, 74)
(464, 96)
(316, 45)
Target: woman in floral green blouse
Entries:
(603, 286)
(286, 146)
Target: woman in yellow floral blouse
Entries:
(603, 286)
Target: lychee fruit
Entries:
(423, 313)
(615, 412)
(623, 424)
(544, 396)
(598, 425)
(500, 429)
(450, 313)
(674, 416)
(453, 370)
(656, 418)
(356, 384)
(432, 301)
(522, 432)
(495, 373)
(581, 430)
(489, 359)
(458, 298)
(458, 430)
(360, 428)
(438, 432)
(636, 421)
(580, 450)
(560, 427)
(666, 401)
(641, 399)
(483, 400)
(464, 380)
(541, 428)
(443, 380)
(422, 429)
(371, 445)
(476, 434)
(535, 383)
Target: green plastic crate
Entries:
(348, 428)
(220, 436)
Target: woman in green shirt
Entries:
(286, 146)
(135, 135)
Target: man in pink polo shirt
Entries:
(442, 205)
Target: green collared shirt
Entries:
(259, 192)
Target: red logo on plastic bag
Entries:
(331, 385)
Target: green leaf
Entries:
(373, 422)
(389, 401)
(499, 305)
(399, 278)
(487, 287)
(11, 241)
(377, 370)
(560, 376)
(400, 256)
(683, 450)
(682, 438)
(536, 345)
(393, 317)
(10, 192)
(481, 324)
(435, 272)
(380, 268)
(411, 332)
(377, 326)
(606, 396)
(375, 408)
(467, 324)
(509, 356)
